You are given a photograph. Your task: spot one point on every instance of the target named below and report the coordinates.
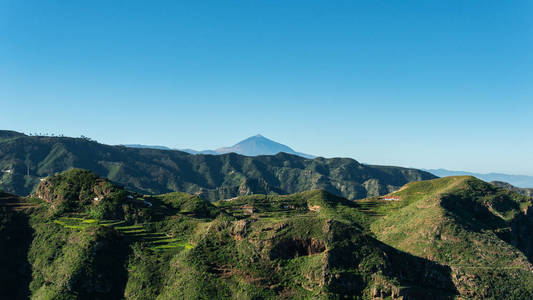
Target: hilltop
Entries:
(6, 134)
(480, 231)
(26, 160)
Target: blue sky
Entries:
(424, 84)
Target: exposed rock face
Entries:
(239, 229)
(61, 188)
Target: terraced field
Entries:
(263, 206)
(156, 241)
(373, 207)
(16, 203)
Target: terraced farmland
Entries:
(156, 241)
(16, 203)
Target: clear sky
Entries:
(425, 84)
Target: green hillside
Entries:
(480, 231)
(25, 160)
(79, 236)
(176, 246)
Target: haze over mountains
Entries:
(522, 181)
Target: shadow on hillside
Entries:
(15, 240)
(521, 235)
(472, 215)
(476, 217)
(110, 273)
(419, 278)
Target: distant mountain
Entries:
(259, 145)
(507, 186)
(252, 146)
(25, 160)
(192, 151)
(147, 147)
(522, 181)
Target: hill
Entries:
(480, 231)
(504, 185)
(6, 134)
(26, 160)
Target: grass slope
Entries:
(305, 245)
(464, 223)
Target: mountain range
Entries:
(26, 160)
(260, 145)
(84, 220)
(252, 146)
